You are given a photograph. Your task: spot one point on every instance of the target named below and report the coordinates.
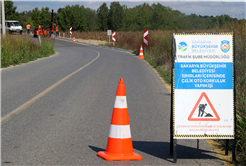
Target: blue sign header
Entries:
(203, 75)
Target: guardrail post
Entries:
(39, 40)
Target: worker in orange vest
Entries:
(28, 26)
(56, 28)
(39, 30)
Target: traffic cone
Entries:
(119, 146)
(74, 40)
(141, 56)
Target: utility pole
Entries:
(3, 19)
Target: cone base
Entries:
(141, 57)
(113, 157)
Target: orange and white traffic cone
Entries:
(119, 146)
(141, 56)
(74, 40)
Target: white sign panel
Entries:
(203, 86)
(109, 32)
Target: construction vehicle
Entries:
(53, 29)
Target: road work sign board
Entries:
(203, 86)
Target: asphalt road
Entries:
(68, 123)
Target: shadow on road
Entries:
(161, 150)
(96, 149)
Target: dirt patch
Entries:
(96, 42)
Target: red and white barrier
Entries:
(114, 36)
(71, 30)
(145, 37)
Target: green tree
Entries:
(143, 16)
(161, 17)
(63, 18)
(223, 20)
(78, 18)
(10, 13)
(24, 16)
(128, 23)
(195, 23)
(92, 19)
(45, 17)
(115, 16)
(72, 16)
(102, 13)
(36, 17)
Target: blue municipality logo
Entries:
(225, 46)
(182, 46)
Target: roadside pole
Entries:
(3, 19)
(109, 32)
(39, 40)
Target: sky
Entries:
(233, 8)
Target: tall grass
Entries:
(21, 49)
(158, 54)
(240, 85)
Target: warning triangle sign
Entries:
(202, 115)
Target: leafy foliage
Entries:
(45, 17)
(118, 17)
(115, 16)
(102, 14)
(10, 13)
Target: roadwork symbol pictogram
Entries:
(201, 108)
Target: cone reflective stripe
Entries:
(141, 56)
(74, 40)
(119, 146)
(120, 102)
(120, 131)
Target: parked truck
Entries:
(13, 26)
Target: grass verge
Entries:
(21, 49)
